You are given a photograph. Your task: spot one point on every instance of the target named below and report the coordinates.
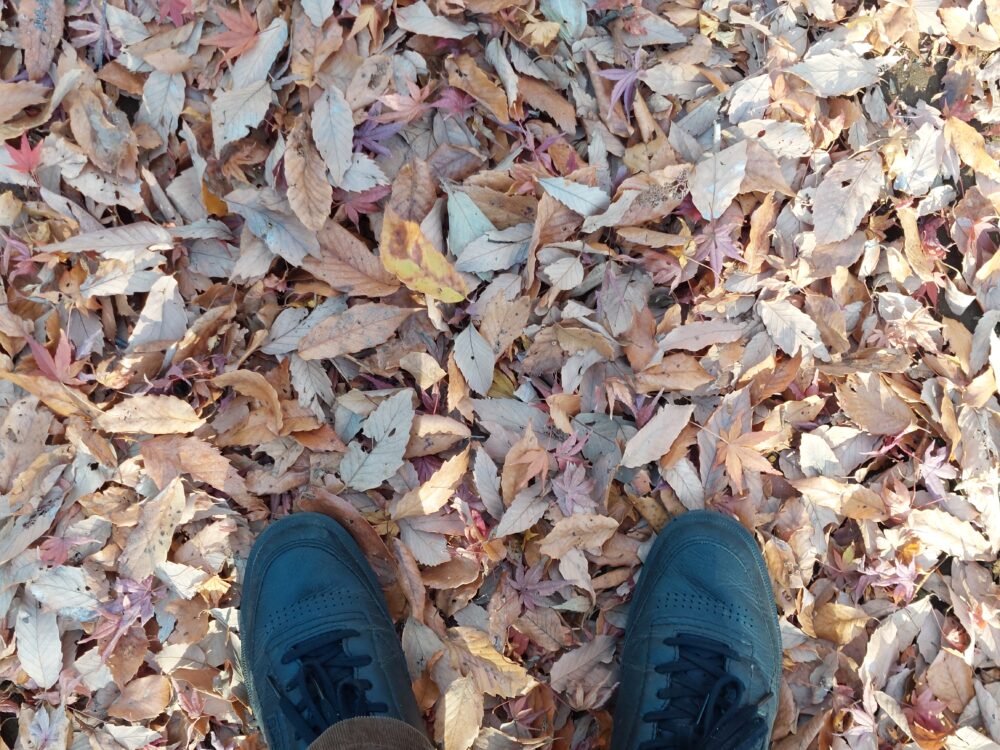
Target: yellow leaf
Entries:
(431, 496)
(839, 623)
(473, 653)
(411, 258)
(460, 715)
(971, 147)
(60, 398)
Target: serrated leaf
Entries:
(476, 359)
(333, 131)
(389, 429)
(791, 329)
(150, 414)
(581, 199)
(162, 102)
(460, 714)
(716, 179)
(121, 243)
(411, 258)
(845, 195)
(837, 72)
(360, 327)
(309, 192)
(526, 510)
(236, 112)
(496, 250)
(656, 436)
(38, 646)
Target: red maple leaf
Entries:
(240, 35)
(26, 159)
(59, 367)
(175, 10)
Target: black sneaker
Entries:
(701, 660)
(318, 645)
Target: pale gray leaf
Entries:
(581, 199)
(38, 646)
(837, 72)
(791, 329)
(65, 589)
(318, 11)
(389, 429)
(466, 222)
(363, 174)
(715, 181)
(333, 132)
(235, 113)
(418, 18)
(475, 358)
(126, 241)
(162, 102)
(571, 15)
(845, 195)
(497, 250)
(163, 319)
(268, 217)
(253, 65)
(526, 510)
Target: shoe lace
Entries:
(705, 704)
(325, 687)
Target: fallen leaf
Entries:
(153, 415)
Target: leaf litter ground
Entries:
(506, 285)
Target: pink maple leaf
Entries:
(26, 159)
(175, 10)
(715, 242)
(574, 491)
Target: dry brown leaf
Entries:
(873, 406)
(40, 28)
(153, 415)
(254, 385)
(143, 698)
(839, 623)
(950, 677)
(347, 265)
(360, 327)
(309, 191)
(580, 531)
(169, 456)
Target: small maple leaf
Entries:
(26, 159)
(574, 491)
(740, 453)
(406, 107)
(715, 242)
(59, 367)
(240, 35)
(926, 710)
(626, 84)
(175, 10)
(356, 205)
